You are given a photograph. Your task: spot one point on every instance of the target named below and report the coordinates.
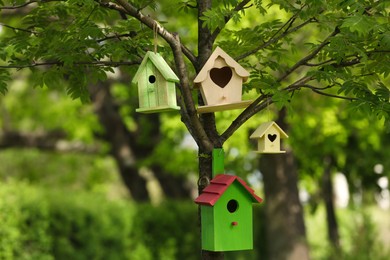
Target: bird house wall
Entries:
(218, 232)
(269, 145)
(213, 94)
(222, 85)
(154, 90)
(147, 90)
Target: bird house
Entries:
(220, 82)
(226, 213)
(156, 85)
(269, 135)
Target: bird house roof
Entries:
(218, 186)
(263, 128)
(160, 64)
(218, 52)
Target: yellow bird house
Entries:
(220, 83)
(269, 135)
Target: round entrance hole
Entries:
(232, 206)
(152, 79)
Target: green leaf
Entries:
(52, 78)
(281, 99)
(361, 24)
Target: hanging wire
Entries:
(155, 34)
(268, 110)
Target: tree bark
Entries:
(327, 192)
(205, 175)
(285, 228)
(117, 135)
(129, 147)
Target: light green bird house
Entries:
(268, 136)
(156, 85)
(226, 214)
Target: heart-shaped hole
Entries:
(221, 76)
(272, 137)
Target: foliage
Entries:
(173, 234)
(337, 49)
(334, 134)
(360, 235)
(84, 42)
(55, 224)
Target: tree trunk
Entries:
(129, 147)
(327, 192)
(172, 185)
(118, 136)
(285, 228)
(205, 175)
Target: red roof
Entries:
(218, 186)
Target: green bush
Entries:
(42, 224)
(87, 226)
(170, 230)
(37, 223)
(24, 218)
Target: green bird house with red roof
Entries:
(226, 213)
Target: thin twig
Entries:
(17, 29)
(18, 6)
(239, 7)
(126, 7)
(81, 63)
(275, 38)
(316, 90)
(115, 36)
(310, 56)
(27, 3)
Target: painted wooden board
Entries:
(222, 107)
(220, 80)
(269, 136)
(226, 212)
(156, 85)
(150, 110)
(218, 164)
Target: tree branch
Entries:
(304, 60)
(26, 4)
(238, 8)
(259, 104)
(115, 36)
(18, 6)
(193, 123)
(345, 63)
(18, 29)
(81, 63)
(277, 36)
(49, 141)
(128, 8)
(318, 91)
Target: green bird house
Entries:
(156, 85)
(226, 213)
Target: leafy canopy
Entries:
(337, 48)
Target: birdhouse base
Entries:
(222, 107)
(149, 110)
(270, 152)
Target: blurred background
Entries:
(95, 180)
(60, 183)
